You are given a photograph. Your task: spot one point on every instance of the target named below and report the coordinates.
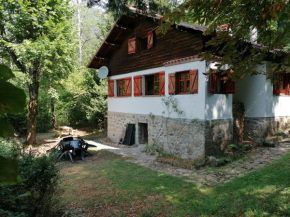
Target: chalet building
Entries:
(147, 70)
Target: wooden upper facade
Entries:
(182, 40)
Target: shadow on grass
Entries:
(262, 193)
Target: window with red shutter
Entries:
(193, 77)
(110, 88)
(131, 46)
(221, 83)
(138, 85)
(171, 83)
(282, 84)
(128, 86)
(149, 40)
(155, 84)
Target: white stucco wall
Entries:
(256, 92)
(192, 105)
(217, 106)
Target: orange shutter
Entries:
(128, 86)
(193, 80)
(149, 40)
(110, 88)
(138, 85)
(131, 45)
(213, 82)
(162, 83)
(171, 83)
(230, 85)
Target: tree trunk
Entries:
(53, 116)
(32, 114)
(79, 2)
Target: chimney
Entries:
(253, 35)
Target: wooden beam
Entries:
(123, 27)
(113, 44)
(102, 58)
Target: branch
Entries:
(12, 54)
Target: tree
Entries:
(38, 38)
(146, 6)
(88, 107)
(270, 18)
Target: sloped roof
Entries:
(119, 32)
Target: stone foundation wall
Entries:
(218, 134)
(257, 129)
(180, 137)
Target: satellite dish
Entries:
(103, 72)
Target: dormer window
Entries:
(147, 41)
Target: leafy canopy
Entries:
(269, 17)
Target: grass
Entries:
(106, 185)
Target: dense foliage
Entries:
(270, 19)
(37, 38)
(34, 194)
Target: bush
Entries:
(34, 195)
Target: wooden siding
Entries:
(174, 44)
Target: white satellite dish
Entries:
(103, 72)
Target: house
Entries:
(152, 74)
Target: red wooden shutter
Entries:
(171, 83)
(149, 40)
(131, 45)
(193, 81)
(277, 85)
(161, 83)
(213, 82)
(286, 83)
(110, 88)
(138, 85)
(128, 86)
(230, 85)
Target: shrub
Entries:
(34, 195)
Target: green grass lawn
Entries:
(106, 185)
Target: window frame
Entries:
(117, 87)
(153, 82)
(185, 80)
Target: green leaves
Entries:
(6, 73)
(12, 99)
(9, 170)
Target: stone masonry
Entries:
(257, 129)
(188, 139)
(218, 135)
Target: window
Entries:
(282, 85)
(124, 87)
(183, 82)
(154, 84)
(147, 42)
(220, 83)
